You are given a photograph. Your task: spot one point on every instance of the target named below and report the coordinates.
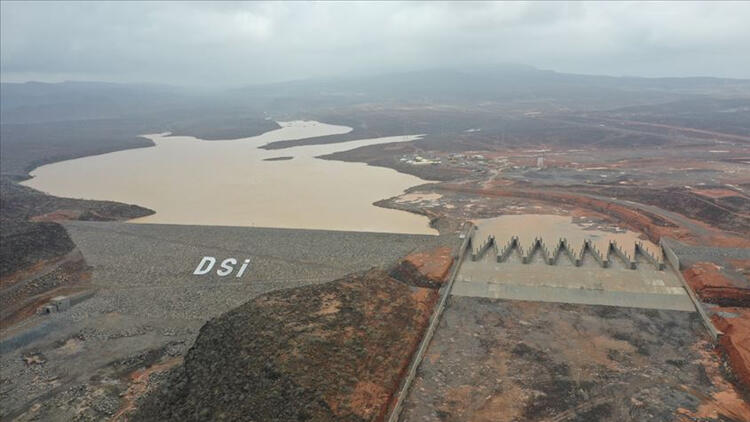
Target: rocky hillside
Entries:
(332, 352)
(29, 232)
(37, 257)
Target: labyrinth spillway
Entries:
(629, 275)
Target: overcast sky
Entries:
(245, 43)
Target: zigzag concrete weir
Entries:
(549, 259)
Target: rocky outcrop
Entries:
(29, 233)
(323, 353)
(735, 324)
(24, 291)
(425, 269)
(707, 280)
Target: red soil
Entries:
(742, 266)
(736, 340)
(434, 264)
(725, 403)
(706, 279)
(716, 193)
(58, 215)
(139, 385)
(653, 226)
(650, 224)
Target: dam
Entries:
(563, 249)
(582, 270)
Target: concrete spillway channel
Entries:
(536, 246)
(589, 247)
(581, 277)
(594, 276)
(508, 249)
(478, 252)
(562, 247)
(615, 249)
(657, 262)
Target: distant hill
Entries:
(37, 101)
(494, 84)
(46, 122)
(44, 102)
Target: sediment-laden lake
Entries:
(233, 183)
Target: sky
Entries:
(236, 44)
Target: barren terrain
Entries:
(497, 360)
(145, 339)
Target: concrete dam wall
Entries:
(562, 249)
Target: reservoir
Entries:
(234, 183)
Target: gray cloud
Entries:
(245, 43)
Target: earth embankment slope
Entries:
(149, 307)
(336, 351)
(323, 353)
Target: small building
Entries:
(62, 303)
(56, 304)
(46, 309)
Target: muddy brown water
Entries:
(190, 181)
